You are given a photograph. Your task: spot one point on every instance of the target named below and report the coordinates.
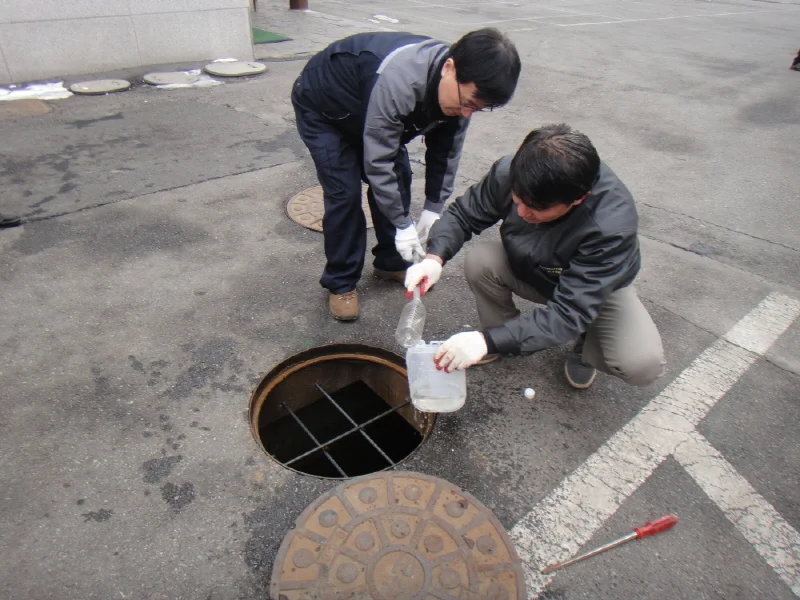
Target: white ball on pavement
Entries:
(529, 393)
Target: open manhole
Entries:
(397, 535)
(307, 208)
(338, 411)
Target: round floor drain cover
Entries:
(307, 208)
(100, 86)
(171, 77)
(235, 69)
(397, 535)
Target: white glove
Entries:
(461, 351)
(407, 243)
(426, 220)
(425, 273)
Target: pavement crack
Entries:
(755, 237)
(781, 367)
(719, 337)
(679, 448)
(624, 460)
(677, 246)
(27, 220)
(608, 485)
(710, 257)
(686, 319)
(662, 428)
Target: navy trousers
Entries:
(339, 159)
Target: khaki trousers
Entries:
(623, 341)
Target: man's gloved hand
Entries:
(461, 351)
(426, 220)
(425, 273)
(407, 243)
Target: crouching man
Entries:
(569, 242)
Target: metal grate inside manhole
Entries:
(397, 535)
(307, 208)
(338, 411)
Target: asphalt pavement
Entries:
(156, 279)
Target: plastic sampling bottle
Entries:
(412, 322)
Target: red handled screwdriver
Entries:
(651, 528)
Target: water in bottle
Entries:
(412, 322)
(432, 390)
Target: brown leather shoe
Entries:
(399, 276)
(344, 307)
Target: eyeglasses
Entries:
(470, 107)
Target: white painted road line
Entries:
(774, 539)
(568, 517)
(759, 329)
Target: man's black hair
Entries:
(554, 165)
(488, 59)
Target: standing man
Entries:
(357, 104)
(569, 242)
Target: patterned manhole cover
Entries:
(307, 208)
(397, 535)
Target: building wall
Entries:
(41, 39)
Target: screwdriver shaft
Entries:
(572, 561)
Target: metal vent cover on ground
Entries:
(307, 208)
(397, 535)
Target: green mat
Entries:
(260, 36)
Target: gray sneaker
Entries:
(579, 374)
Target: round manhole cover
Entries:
(307, 208)
(338, 411)
(100, 86)
(236, 68)
(171, 78)
(397, 535)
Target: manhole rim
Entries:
(324, 353)
(309, 510)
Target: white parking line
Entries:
(568, 517)
(774, 539)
